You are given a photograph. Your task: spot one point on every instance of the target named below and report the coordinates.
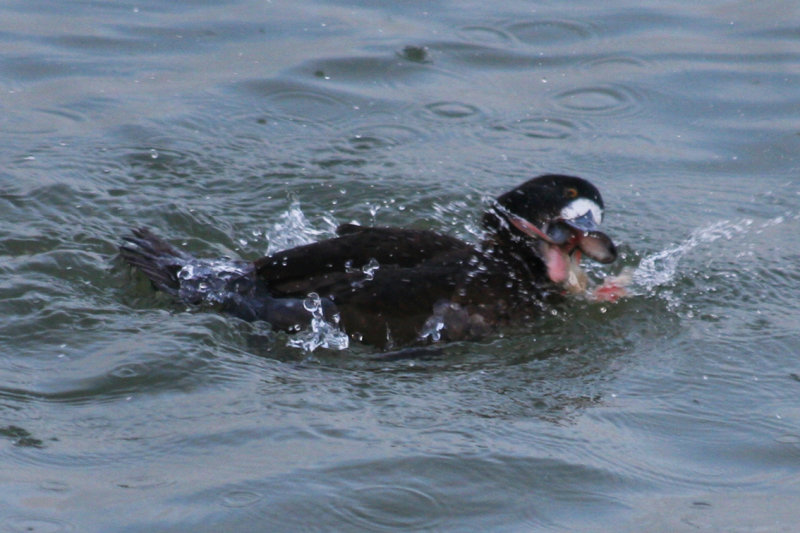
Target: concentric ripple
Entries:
(452, 110)
(532, 132)
(362, 145)
(485, 34)
(236, 498)
(546, 32)
(543, 127)
(614, 63)
(602, 100)
(389, 507)
(377, 136)
(302, 102)
(23, 524)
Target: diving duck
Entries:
(392, 287)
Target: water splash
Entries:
(209, 281)
(661, 268)
(321, 333)
(432, 329)
(452, 216)
(370, 268)
(294, 229)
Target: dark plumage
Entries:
(394, 286)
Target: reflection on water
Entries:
(213, 123)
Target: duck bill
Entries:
(562, 244)
(530, 229)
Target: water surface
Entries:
(235, 128)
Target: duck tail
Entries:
(156, 258)
(227, 284)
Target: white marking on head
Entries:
(579, 207)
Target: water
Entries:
(242, 127)
(321, 333)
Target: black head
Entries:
(545, 198)
(556, 215)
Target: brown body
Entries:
(395, 286)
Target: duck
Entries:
(392, 286)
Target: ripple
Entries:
(544, 127)
(129, 370)
(310, 104)
(452, 110)
(70, 115)
(151, 163)
(551, 31)
(484, 34)
(34, 122)
(36, 525)
(46, 120)
(93, 423)
(387, 506)
(302, 102)
(537, 132)
(142, 482)
(382, 136)
(788, 438)
(605, 100)
(237, 498)
(108, 45)
(614, 63)
(54, 485)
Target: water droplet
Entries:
(313, 304)
(153, 153)
(370, 268)
(321, 333)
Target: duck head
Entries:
(557, 217)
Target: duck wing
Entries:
(383, 281)
(346, 258)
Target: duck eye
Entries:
(571, 192)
